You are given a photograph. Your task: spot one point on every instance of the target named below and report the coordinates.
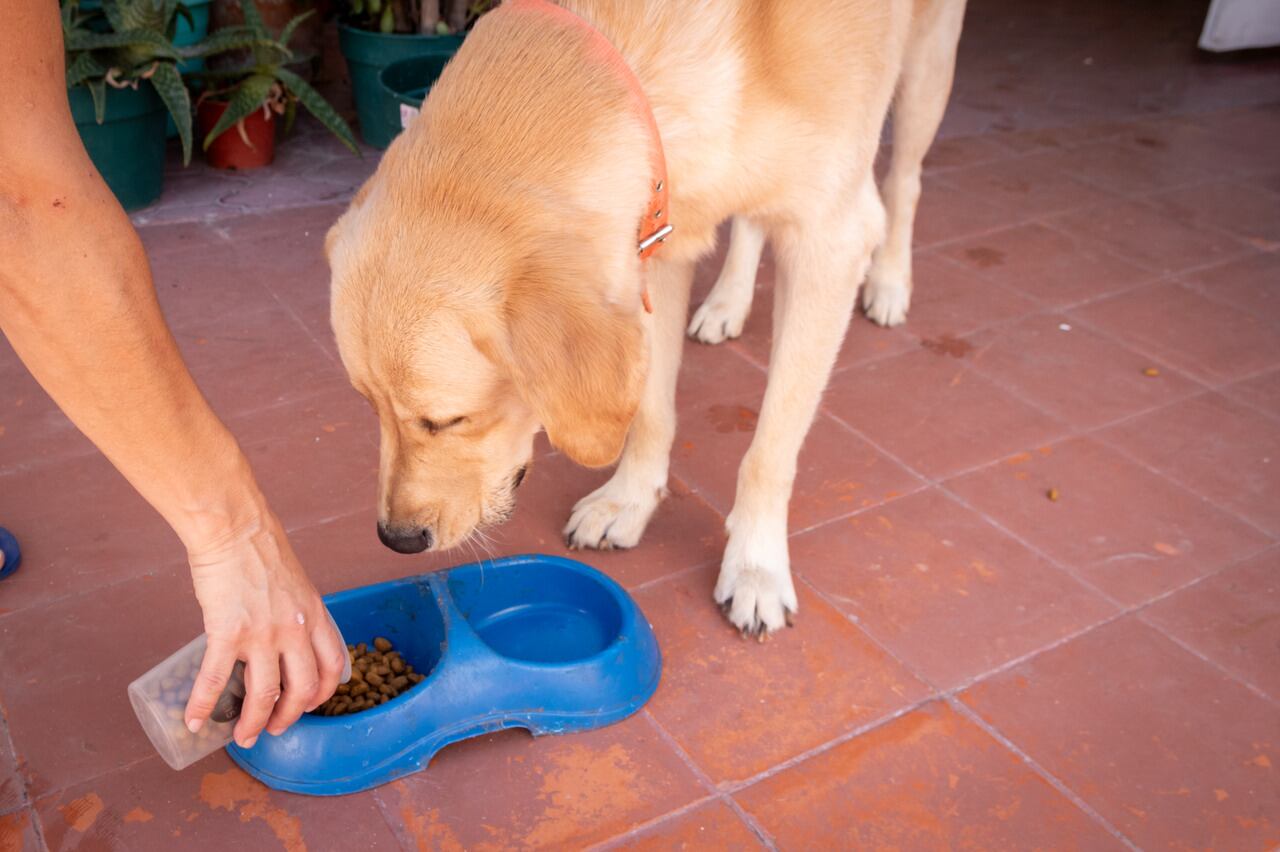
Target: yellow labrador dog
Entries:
(486, 281)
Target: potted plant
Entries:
(122, 80)
(374, 33)
(249, 97)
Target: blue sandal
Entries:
(12, 555)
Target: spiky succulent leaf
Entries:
(98, 88)
(290, 114)
(227, 40)
(250, 95)
(144, 44)
(286, 34)
(169, 86)
(252, 17)
(115, 15)
(84, 67)
(319, 107)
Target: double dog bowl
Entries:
(535, 642)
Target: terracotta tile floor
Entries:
(975, 666)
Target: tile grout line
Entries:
(1214, 664)
(619, 841)
(1053, 781)
(383, 811)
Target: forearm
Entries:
(78, 305)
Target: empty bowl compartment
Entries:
(538, 612)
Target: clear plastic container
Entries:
(159, 699)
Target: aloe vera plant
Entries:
(263, 81)
(133, 47)
(440, 17)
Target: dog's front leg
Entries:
(821, 262)
(615, 514)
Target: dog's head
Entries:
(468, 334)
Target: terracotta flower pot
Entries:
(229, 150)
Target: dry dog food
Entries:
(378, 674)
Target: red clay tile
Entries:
(711, 827)
(1262, 392)
(509, 790)
(1056, 138)
(213, 805)
(1237, 468)
(1130, 532)
(1169, 750)
(719, 401)
(1250, 284)
(1121, 168)
(1073, 373)
(33, 430)
(13, 790)
(930, 780)
(1251, 214)
(960, 151)
(1035, 185)
(80, 525)
(18, 832)
(1049, 265)
(315, 458)
(1232, 141)
(204, 284)
(345, 552)
(66, 668)
(249, 360)
(933, 411)
(951, 302)
(1200, 336)
(1145, 235)
(947, 593)
(949, 213)
(1231, 619)
(735, 704)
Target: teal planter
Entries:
(406, 82)
(367, 54)
(128, 147)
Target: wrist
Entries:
(225, 506)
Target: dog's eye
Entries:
(435, 426)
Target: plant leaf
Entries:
(319, 107)
(168, 82)
(227, 40)
(290, 114)
(84, 67)
(116, 18)
(144, 43)
(184, 12)
(249, 96)
(252, 17)
(286, 34)
(98, 88)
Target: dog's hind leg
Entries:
(616, 513)
(725, 310)
(820, 264)
(923, 89)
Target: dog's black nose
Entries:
(405, 539)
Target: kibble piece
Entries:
(397, 664)
(1053, 494)
(415, 678)
(398, 682)
(1151, 372)
(384, 689)
(343, 689)
(382, 644)
(359, 689)
(382, 669)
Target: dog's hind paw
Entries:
(886, 303)
(613, 516)
(755, 599)
(720, 317)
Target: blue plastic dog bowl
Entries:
(535, 642)
(12, 553)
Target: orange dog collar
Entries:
(654, 225)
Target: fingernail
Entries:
(194, 725)
(250, 742)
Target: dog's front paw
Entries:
(886, 300)
(720, 318)
(612, 516)
(755, 588)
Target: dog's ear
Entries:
(578, 362)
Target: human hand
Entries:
(260, 607)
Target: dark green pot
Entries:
(406, 83)
(128, 147)
(367, 53)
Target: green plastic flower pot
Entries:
(367, 53)
(406, 83)
(128, 147)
